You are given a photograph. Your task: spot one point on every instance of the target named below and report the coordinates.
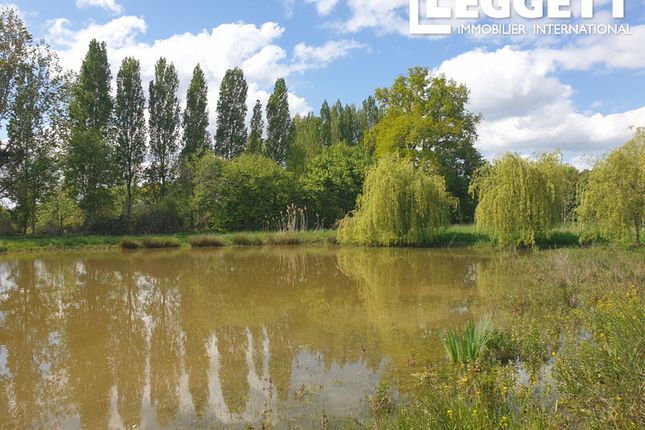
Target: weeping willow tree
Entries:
(612, 203)
(400, 205)
(520, 200)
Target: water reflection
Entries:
(222, 337)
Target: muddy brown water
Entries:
(222, 338)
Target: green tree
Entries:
(520, 200)
(332, 182)
(325, 124)
(250, 193)
(195, 122)
(88, 159)
(279, 123)
(163, 125)
(15, 46)
(206, 179)
(30, 169)
(130, 125)
(230, 137)
(306, 142)
(400, 205)
(613, 201)
(425, 118)
(255, 144)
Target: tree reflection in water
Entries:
(217, 337)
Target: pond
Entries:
(221, 338)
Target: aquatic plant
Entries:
(468, 346)
(207, 242)
(130, 244)
(160, 242)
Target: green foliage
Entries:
(400, 205)
(207, 172)
(255, 144)
(15, 47)
(246, 193)
(468, 346)
(425, 118)
(160, 242)
(207, 242)
(58, 213)
(600, 377)
(230, 137)
(195, 120)
(325, 124)
(520, 200)
(242, 239)
(159, 216)
(306, 142)
(333, 181)
(163, 125)
(613, 200)
(130, 127)
(278, 124)
(130, 244)
(30, 165)
(89, 169)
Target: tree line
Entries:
(80, 157)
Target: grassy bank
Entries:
(566, 350)
(39, 243)
(456, 236)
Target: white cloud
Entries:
(254, 48)
(109, 5)
(527, 108)
(324, 7)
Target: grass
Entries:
(456, 236)
(468, 346)
(74, 242)
(207, 242)
(573, 324)
(160, 242)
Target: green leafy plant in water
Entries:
(468, 346)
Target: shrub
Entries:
(519, 200)
(468, 346)
(332, 182)
(244, 194)
(400, 205)
(160, 242)
(206, 242)
(130, 244)
(158, 218)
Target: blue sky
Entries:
(577, 93)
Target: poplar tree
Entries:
(279, 123)
(130, 125)
(88, 166)
(255, 143)
(325, 124)
(230, 137)
(163, 124)
(195, 121)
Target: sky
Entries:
(580, 94)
